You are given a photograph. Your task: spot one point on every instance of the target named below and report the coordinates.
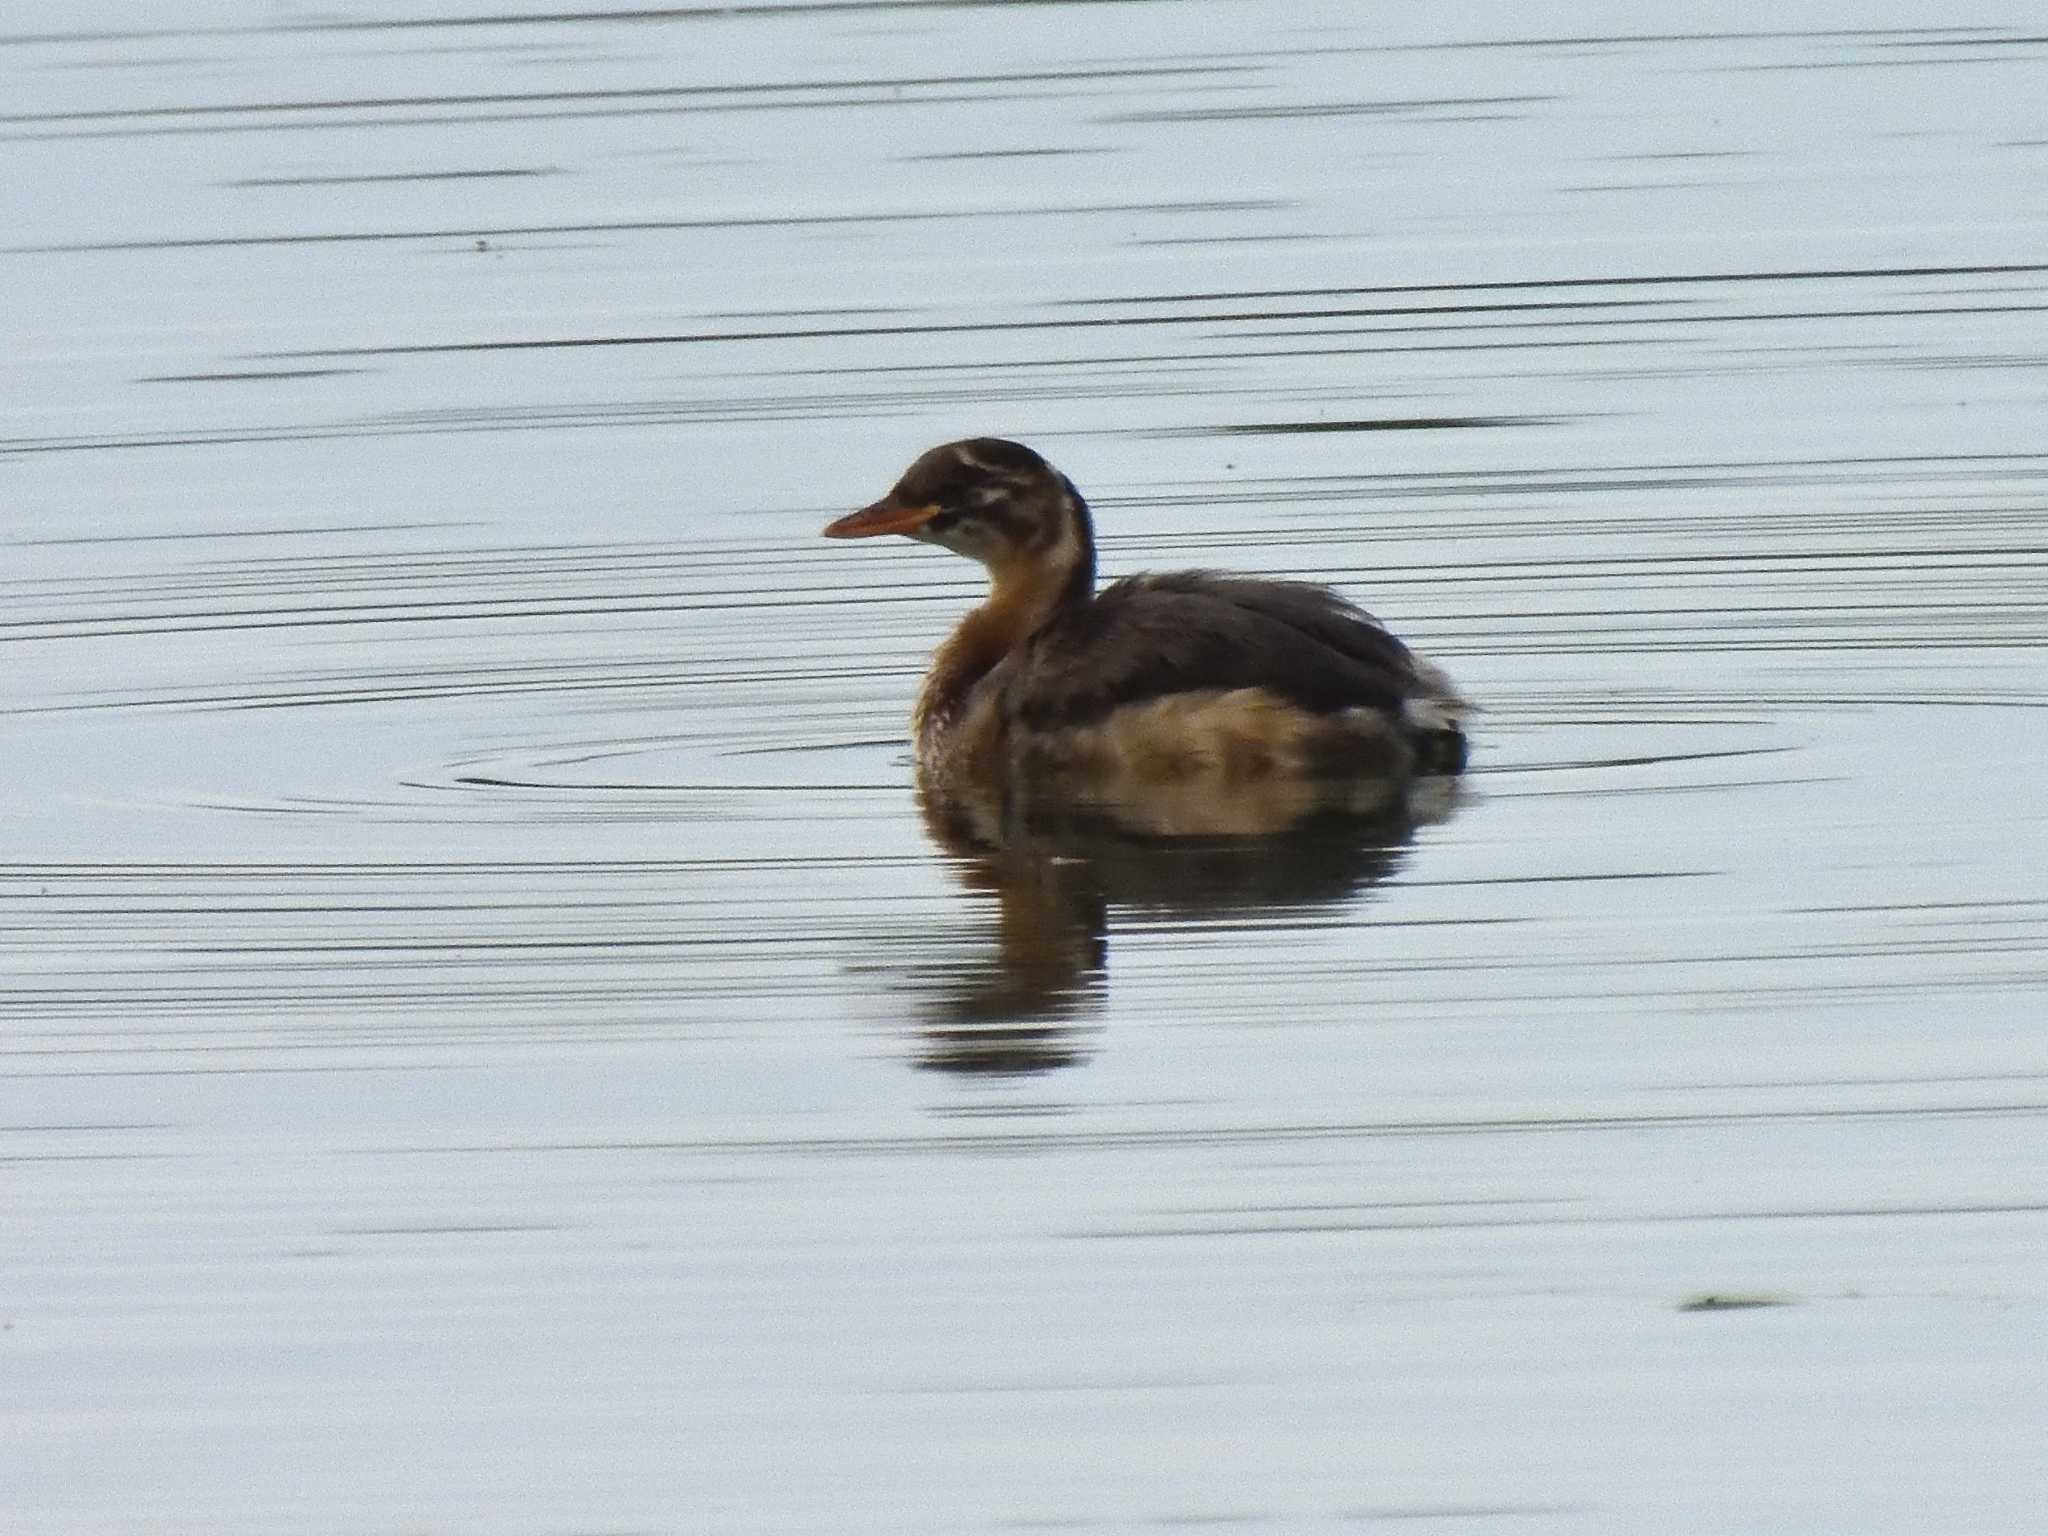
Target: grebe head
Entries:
(989, 499)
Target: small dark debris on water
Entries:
(1726, 1301)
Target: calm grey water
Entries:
(488, 1042)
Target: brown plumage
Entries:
(1157, 676)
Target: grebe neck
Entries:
(1027, 588)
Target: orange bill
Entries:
(885, 516)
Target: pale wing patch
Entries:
(1237, 734)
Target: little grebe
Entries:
(1155, 677)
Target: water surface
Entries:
(489, 1042)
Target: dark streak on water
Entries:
(487, 1035)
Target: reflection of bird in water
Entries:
(1056, 867)
(1158, 679)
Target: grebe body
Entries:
(1157, 677)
